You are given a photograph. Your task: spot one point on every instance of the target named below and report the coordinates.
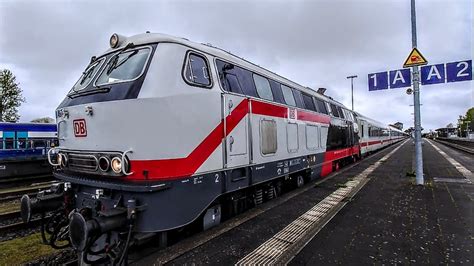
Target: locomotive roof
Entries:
(146, 38)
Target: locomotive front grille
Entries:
(83, 162)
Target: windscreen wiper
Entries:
(114, 61)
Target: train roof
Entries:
(395, 129)
(38, 127)
(147, 38)
(370, 120)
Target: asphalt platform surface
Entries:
(389, 221)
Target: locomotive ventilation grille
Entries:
(83, 162)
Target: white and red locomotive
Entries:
(160, 132)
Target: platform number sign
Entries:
(378, 81)
(459, 71)
(430, 74)
(400, 78)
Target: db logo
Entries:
(80, 129)
(291, 113)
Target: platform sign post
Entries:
(414, 60)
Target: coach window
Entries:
(308, 102)
(9, 143)
(22, 143)
(246, 81)
(334, 110)
(321, 106)
(276, 90)
(197, 70)
(339, 109)
(288, 95)
(298, 98)
(263, 87)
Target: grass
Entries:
(22, 250)
(411, 174)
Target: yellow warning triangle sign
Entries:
(415, 59)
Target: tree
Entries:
(10, 96)
(466, 122)
(47, 120)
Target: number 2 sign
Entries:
(459, 71)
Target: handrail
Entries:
(49, 157)
(123, 161)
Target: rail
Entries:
(458, 143)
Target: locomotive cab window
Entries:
(88, 75)
(263, 87)
(197, 70)
(124, 66)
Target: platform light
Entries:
(116, 165)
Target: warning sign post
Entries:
(415, 58)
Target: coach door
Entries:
(236, 130)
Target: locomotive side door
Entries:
(236, 128)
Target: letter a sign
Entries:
(415, 59)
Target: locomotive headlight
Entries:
(63, 159)
(104, 164)
(114, 40)
(116, 165)
(59, 159)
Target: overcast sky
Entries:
(47, 44)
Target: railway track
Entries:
(4, 182)
(19, 226)
(9, 215)
(16, 193)
(458, 145)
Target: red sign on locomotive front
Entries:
(80, 129)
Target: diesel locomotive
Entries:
(160, 132)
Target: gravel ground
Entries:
(60, 258)
(18, 233)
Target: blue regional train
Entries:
(23, 148)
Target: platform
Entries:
(390, 220)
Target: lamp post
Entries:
(352, 89)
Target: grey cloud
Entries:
(314, 43)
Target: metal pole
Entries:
(352, 89)
(416, 100)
